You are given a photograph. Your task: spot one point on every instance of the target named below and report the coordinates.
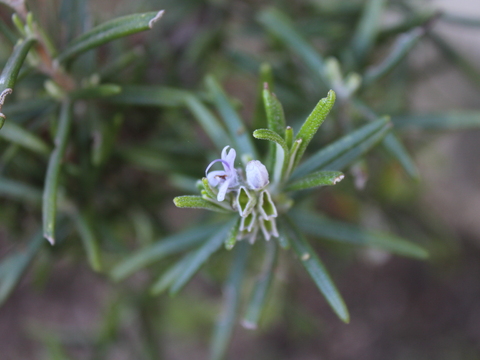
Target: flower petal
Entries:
(222, 190)
(230, 157)
(216, 177)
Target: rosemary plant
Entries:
(99, 130)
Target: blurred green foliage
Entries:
(108, 111)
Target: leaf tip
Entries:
(155, 19)
(338, 179)
(305, 256)
(250, 325)
(178, 201)
(50, 239)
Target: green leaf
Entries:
(283, 239)
(169, 276)
(318, 273)
(460, 20)
(111, 30)
(231, 239)
(396, 148)
(161, 249)
(232, 292)
(449, 120)
(274, 112)
(197, 202)
(9, 35)
(89, 240)
(323, 227)
(19, 191)
(358, 150)
(265, 77)
(94, 92)
(280, 25)
(105, 137)
(282, 154)
(14, 266)
(258, 299)
(199, 256)
(319, 178)
(208, 189)
(367, 29)
(15, 61)
(147, 95)
(18, 135)
(404, 43)
(339, 147)
(313, 122)
(53, 173)
(208, 122)
(460, 62)
(236, 128)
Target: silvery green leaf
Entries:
(231, 303)
(49, 208)
(312, 123)
(111, 30)
(197, 202)
(321, 226)
(318, 273)
(319, 178)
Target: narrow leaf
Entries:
(339, 147)
(19, 191)
(319, 178)
(208, 122)
(18, 135)
(147, 95)
(232, 291)
(396, 148)
(274, 112)
(318, 273)
(449, 120)
(14, 266)
(262, 286)
(94, 92)
(313, 122)
(169, 276)
(235, 126)
(53, 173)
(460, 62)
(265, 77)
(401, 47)
(197, 202)
(282, 154)
(280, 25)
(12, 67)
(321, 226)
(358, 150)
(109, 31)
(367, 29)
(89, 240)
(161, 249)
(199, 257)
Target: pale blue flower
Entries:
(226, 180)
(257, 175)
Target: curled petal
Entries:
(225, 165)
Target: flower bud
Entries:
(257, 175)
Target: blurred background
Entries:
(400, 308)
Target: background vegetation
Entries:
(103, 130)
